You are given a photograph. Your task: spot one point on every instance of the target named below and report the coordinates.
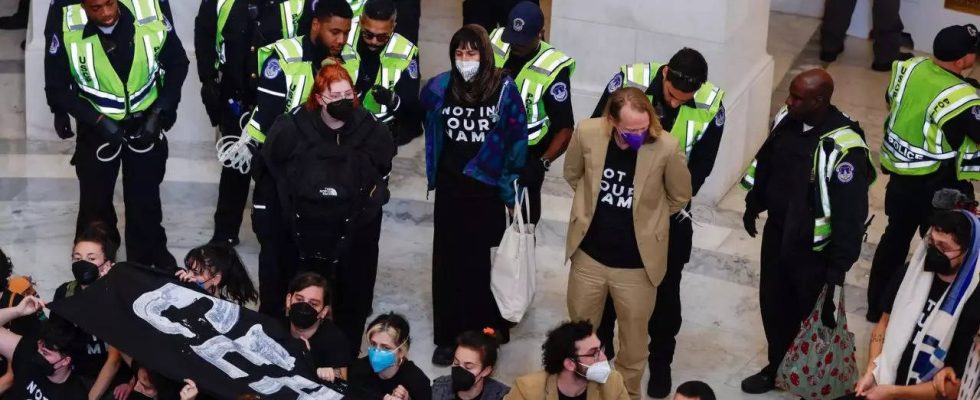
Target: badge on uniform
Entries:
(413, 69)
(559, 91)
(518, 24)
(845, 172)
(976, 112)
(720, 117)
(166, 23)
(615, 83)
(54, 44)
(272, 69)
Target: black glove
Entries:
(211, 96)
(62, 125)
(827, 314)
(110, 130)
(148, 131)
(748, 220)
(533, 173)
(385, 97)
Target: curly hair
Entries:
(560, 344)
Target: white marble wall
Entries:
(731, 35)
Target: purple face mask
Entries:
(633, 139)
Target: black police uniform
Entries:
(666, 319)
(278, 256)
(558, 107)
(146, 240)
(908, 204)
(229, 90)
(793, 274)
(407, 123)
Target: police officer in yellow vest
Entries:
(811, 176)
(930, 144)
(542, 74)
(388, 78)
(286, 72)
(691, 108)
(227, 37)
(106, 69)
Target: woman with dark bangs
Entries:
(475, 145)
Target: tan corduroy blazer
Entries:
(662, 187)
(542, 386)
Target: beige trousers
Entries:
(633, 297)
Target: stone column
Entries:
(604, 35)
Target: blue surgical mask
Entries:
(381, 359)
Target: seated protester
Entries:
(694, 390)
(932, 313)
(473, 363)
(99, 366)
(12, 295)
(386, 370)
(307, 312)
(43, 366)
(218, 270)
(949, 387)
(151, 385)
(575, 367)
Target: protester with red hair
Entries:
(330, 160)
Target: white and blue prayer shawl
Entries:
(932, 342)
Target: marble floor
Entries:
(721, 340)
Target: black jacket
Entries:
(286, 146)
(794, 206)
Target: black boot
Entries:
(19, 19)
(659, 385)
(759, 383)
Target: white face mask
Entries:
(598, 372)
(468, 69)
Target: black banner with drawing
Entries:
(181, 333)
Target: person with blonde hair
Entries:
(629, 177)
(386, 369)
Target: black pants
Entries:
(278, 257)
(908, 204)
(465, 230)
(665, 322)
(791, 279)
(886, 31)
(352, 281)
(232, 193)
(534, 184)
(142, 173)
(488, 13)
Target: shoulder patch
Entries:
(413, 69)
(559, 91)
(55, 44)
(272, 69)
(845, 172)
(166, 23)
(976, 112)
(720, 117)
(615, 83)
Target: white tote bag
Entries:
(512, 271)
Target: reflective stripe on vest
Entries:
(395, 59)
(533, 80)
(357, 6)
(97, 80)
(290, 12)
(691, 122)
(224, 11)
(748, 180)
(824, 164)
(299, 76)
(923, 98)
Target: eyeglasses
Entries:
(381, 37)
(594, 354)
(334, 96)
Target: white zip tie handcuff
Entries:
(115, 155)
(684, 214)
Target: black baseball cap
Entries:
(954, 42)
(523, 24)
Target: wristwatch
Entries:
(546, 162)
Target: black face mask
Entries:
(341, 109)
(303, 315)
(85, 272)
(937, 262)
(41, 366)
(463, 380)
